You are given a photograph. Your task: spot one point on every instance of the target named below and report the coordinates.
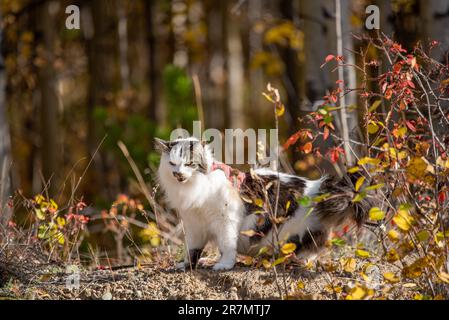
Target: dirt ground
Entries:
(151, 282)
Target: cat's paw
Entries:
(181, 266)
(223, 266)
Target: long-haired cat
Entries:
(214, 207)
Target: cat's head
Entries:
(182, 159)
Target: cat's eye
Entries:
(192, 165)
(171, 163)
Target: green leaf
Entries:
(423, 235)
(279, 261)
(375, 105)
(375, 187)
(321, 197)
(305, 201)
(359, 196)
(339, 242)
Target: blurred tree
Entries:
(435, 22)
(5, 147)
(315, 50)
(48, 104)
(102, 57)
(289, 55)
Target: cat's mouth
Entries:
(181, 179)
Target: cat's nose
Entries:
(179, 176)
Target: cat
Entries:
(216, 206)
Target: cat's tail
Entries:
(340, 202)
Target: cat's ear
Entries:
(161, 146)
(205, 143)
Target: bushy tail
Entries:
(339, 204)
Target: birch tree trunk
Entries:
(5, 147)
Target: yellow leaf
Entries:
(60, 238)
(444, 277)
(416, 168)
(268, 97)
(266, 264)
(300, 285)
(287, 206)
(354, 169)
(357, 293)
(349, 264)
(367, 160)
(392, 255)
(39, 199)
(401, 223)
(372, 127)
(393, 235)
(362, 253)
(376, 214)
(247, 260)
(258, 202)
(60, 221)
(248, 233)
(359, 183)
(288, 248)
(402, 131)
(390, 277)
(403, 220)
(280, 109)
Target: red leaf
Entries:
(326, 133)
(292, 140)
(329, 58)
(307, 148)
(441, 197)
(410, 126)
(335, 154)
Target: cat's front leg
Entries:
(194, 242)
(227, 243)
(191, 259)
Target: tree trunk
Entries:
(256, 79)
(435, 22)
(316, 49)
(123, 44)
(157, 59)
(102, 53)
(236, 81)
(214, 88)
(49, 148)
(290, 79)
(5, 147)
